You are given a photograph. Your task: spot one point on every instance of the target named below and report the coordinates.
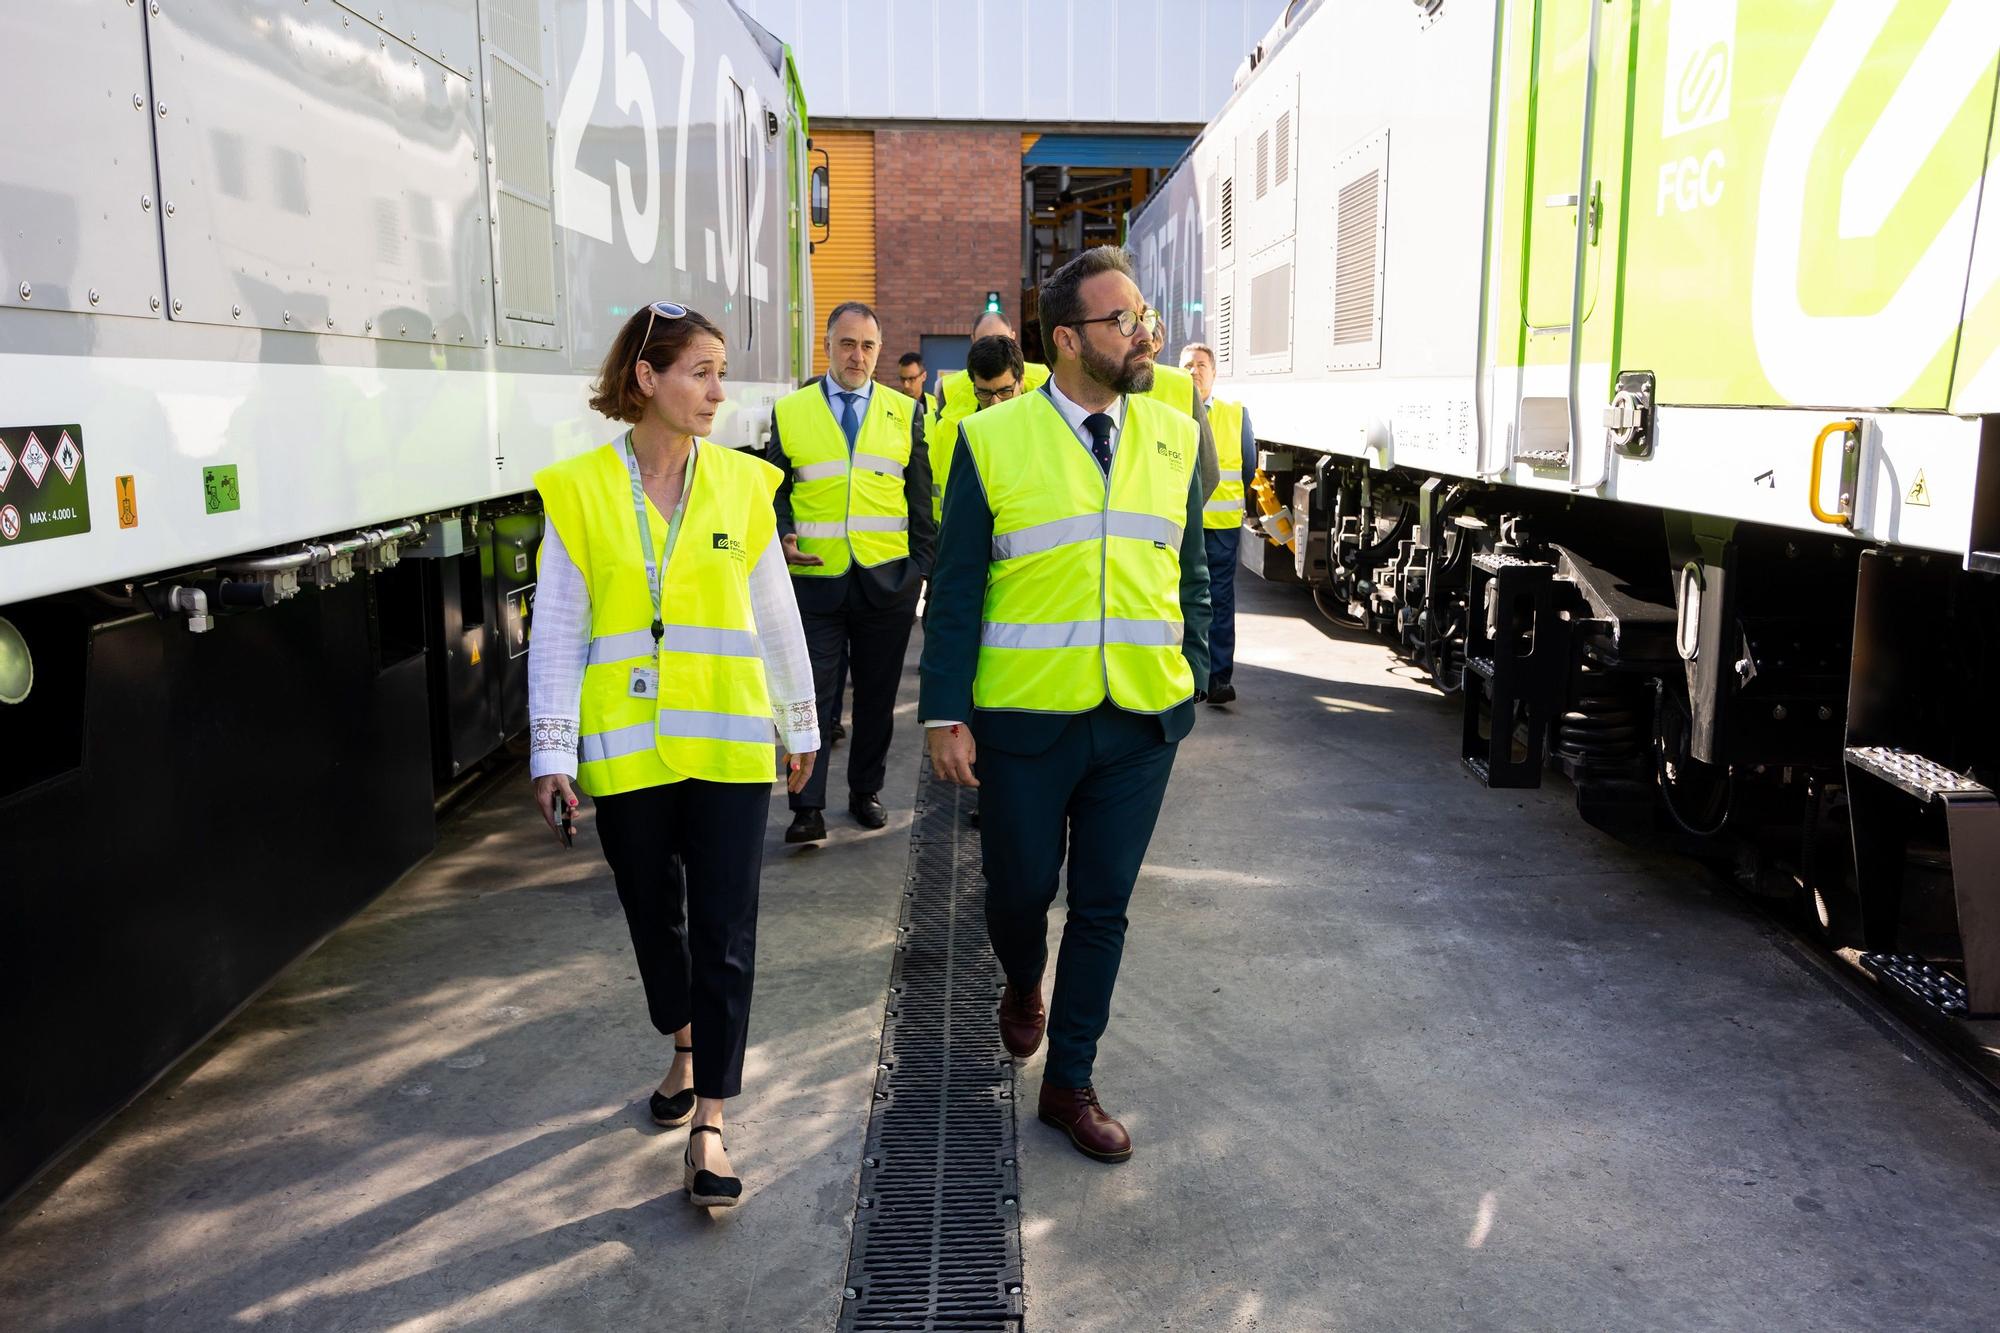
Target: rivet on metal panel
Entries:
(138, 101)
(161, 108)
(170, 208)
(368, 325)
(146, 202)
(156, 8)
(27, 292)
(329, 321)
(236, 312)
(93, 296)
(288, 317)
(154, 302)
(177, 307)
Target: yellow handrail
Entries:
(1851, 426)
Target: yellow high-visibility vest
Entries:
(942, 436)
(1083, 591)
(1224, 508)
(847, 510)
(1174, 387)
(711, 718)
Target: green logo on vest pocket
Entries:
(724, 542)
(1171, 455)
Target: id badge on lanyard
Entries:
(644, 682)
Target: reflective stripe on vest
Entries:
(1224, 506)
(638, 643)
(1083, 589)
(846, 510)
(1086, 527)
(1082, 633)
(711, 718)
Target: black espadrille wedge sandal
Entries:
(677, 1110)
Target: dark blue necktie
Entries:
(1099, 426)
(850, 420)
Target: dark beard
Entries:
(1117, 376)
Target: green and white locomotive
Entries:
(1636, 365)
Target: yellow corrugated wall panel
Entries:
(843, 265)
(1027, 142)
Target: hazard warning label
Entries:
(44, 483)
(68, 457)
(34, 459)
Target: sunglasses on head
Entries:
(658, 310)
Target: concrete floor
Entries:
(1398, 1052)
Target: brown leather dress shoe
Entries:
(1076, 1113)
(1022, 1021)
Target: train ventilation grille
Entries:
(1263, 163)
(1225, 334)
(1228, 212)
(1354, 266)
(1284, 167)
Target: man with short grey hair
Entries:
(854, 512)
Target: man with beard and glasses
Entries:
(1064, 653)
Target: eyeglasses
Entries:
(999, 395)
(1128, 321)
(912, 377)
(658, 310)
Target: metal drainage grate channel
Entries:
(937, 1236)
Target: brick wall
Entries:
(947, 231)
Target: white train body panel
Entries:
(369, 256)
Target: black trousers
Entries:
(868, 643)
(1096, 795)
(687, 857)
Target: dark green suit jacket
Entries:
(958, 600)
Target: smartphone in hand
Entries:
(560, 813)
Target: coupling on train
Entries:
(294, 301)
(1635, 366)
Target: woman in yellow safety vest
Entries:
(667, 658)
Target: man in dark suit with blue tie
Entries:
(854, 513)
(1065, 648)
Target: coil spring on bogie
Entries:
(1605, 725)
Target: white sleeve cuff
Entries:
(552, 743)
(943, 722)
(543, 763)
